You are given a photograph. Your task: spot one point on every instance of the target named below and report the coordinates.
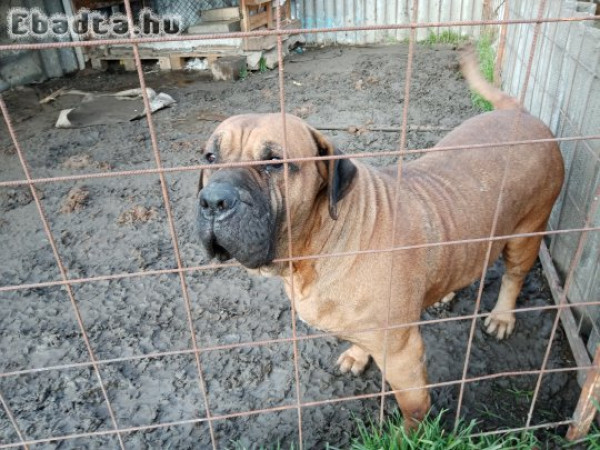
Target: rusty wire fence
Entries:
(542, 27)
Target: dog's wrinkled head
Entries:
(241, 210)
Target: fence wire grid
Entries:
(68, 283)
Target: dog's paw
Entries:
(354, 360)
(500, 323)
(445, 300)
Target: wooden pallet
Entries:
(261, 13)
(256, 14)
(128, 63)
(178, 60)
(170, 61)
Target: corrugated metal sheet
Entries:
(344, 13)
(564, 92)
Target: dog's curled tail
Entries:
(470, 70)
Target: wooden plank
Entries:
(214, 27)
(212, 15)
(501, 46)
(129, 64)
(487, 13)
(99, 64)
(177, 62)
(258, 20)
(582, 359)
(199, 52)
(245, 17)
(285, 11)
(587, 405)
(270, 24)
(164, 63)
(53, 96)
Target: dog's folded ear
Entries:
(338, 172)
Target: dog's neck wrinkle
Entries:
(320, 237)
(353, 213)
(362, 224)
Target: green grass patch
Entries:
(431, 435)
(444, 37)
(243, 72)
(486, 66)
(521, 394)
(262, 65)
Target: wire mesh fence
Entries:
(97, 382)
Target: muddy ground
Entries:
(116, 225)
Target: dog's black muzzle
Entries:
(235, 220)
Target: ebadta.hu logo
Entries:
(33, 23)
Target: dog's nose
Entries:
(218, 199)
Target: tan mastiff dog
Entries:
(341, 206)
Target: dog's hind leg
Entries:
(406, 372)
(519, 256)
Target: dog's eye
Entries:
(210, 157)
(275, 164)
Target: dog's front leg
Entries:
(406, 371)
(355, 360)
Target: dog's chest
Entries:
(314, 308)
(323, 311)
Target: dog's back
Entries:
(462, 185)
